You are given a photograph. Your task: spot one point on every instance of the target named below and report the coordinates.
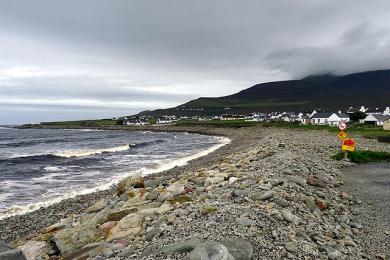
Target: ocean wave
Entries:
(83, 153)
(63, 154)
(160, 166)
(143, 144)
(32, 142)
(53, 168)
(29, 158)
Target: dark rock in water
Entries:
(14, 254)
(240, 249)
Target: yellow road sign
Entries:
(348, 148)
(342, 135)
(349, 145)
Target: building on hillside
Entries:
(386, 125)
(355, 109)
(329, 118)
(166, 119)
(231, 117)
(375, 119)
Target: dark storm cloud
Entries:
(170, 51)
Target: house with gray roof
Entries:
(375, 119)
(329, 118)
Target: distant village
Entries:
(362, 115)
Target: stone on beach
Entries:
(117, 215)
(136, 181)
(289, 217)
(210, 250)
(259, 193)
(71, 239)
(315, 181)
(297, 180)
(264, 195)
(129, 226)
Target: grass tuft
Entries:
(363, 156)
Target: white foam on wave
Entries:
(19, 210)
(53, 169)
(84, 130)
(82, 153)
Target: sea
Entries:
(40, 167)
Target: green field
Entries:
(364, 156)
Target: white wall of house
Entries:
(332, 120)
(319, 121)
(371, 119)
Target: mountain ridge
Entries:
(326, 91)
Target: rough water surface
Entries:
(39, 167)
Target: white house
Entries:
(375, 119)
(331, 119)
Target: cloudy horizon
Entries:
(69, 60)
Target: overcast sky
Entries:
(79, 59)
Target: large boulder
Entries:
(136, 181)
(210, 250)
(101, 204)
(34, 249)
(240, 249)
(226, 249)
(13, 254)
(129, 226)
(7, 252)
(72, 239)
(118, 214)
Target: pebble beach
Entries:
(268, 194)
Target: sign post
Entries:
(348, 145)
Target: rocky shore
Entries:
(269, 194)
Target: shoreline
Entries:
(80, 202)
(278, 190)
(26, 209)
